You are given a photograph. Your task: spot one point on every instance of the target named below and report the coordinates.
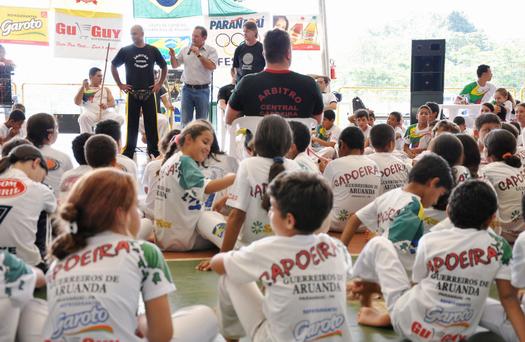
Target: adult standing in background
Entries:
(139, 59)
(248, 57)
(199, 61)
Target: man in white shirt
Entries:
(112, 128)
(97, 104)
(199, 61)
(329, 99)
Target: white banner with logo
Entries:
(85, 34)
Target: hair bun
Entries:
(69, 212)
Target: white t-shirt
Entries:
(328, 98)
(178, 203)
(247, 193)
(400, 141)
(366, 132)
(454, 270)
(306, 163)
(509, 183)
(460, 173)
(4, 132)
(150, 180)
(94, 294)
(433, 217)
(398, 216)
(305, 279)
(91, 100)
(21, 202)
(394, 171)
(17, 280)
(127, 165)
(355, 182)
(517, 263)
(57, 163)
(69, 178)
(217, 169)
(418, 138)
(520, 152)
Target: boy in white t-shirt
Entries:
(70, 177)
(394, 171)
(12, 127)
(112, 128)
(395, 120)
(398, 214)
(361, 119)
(298, 150)
(354, 178)
(453, 272)
(484, 124)
(101, 151)
(326, 135)
(294, 265)
(418, 135)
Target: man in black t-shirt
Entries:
(276, 90)
(139, 60)
(248, 57)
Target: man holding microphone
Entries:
(199, 62)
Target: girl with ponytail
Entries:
(248, 220)
(100, 268)
(42, 131)
(22, 198)
(507, 176)
(180, 222)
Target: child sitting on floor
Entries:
(398, 214)
(298, 150)
(291, 265)
(453, 272)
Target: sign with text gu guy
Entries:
(86, 34)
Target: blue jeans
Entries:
(198, 99)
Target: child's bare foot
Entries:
(373, 318)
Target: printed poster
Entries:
(20, 25)
(86, 34)
(303, 30)
(225, 34)
(159, 9)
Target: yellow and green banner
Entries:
(158, 9)
(23, 25)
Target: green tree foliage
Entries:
(382, 57)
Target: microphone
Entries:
(189, 50)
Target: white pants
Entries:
(163, 125)
(327, 152)
(87, 120)
(240, 311)
(495, 319)
(378, 262)
(211, 226)
(196, 323)
(25, 323)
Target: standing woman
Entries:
(100, 271)
(248, 57)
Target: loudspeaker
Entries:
(427, 79)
